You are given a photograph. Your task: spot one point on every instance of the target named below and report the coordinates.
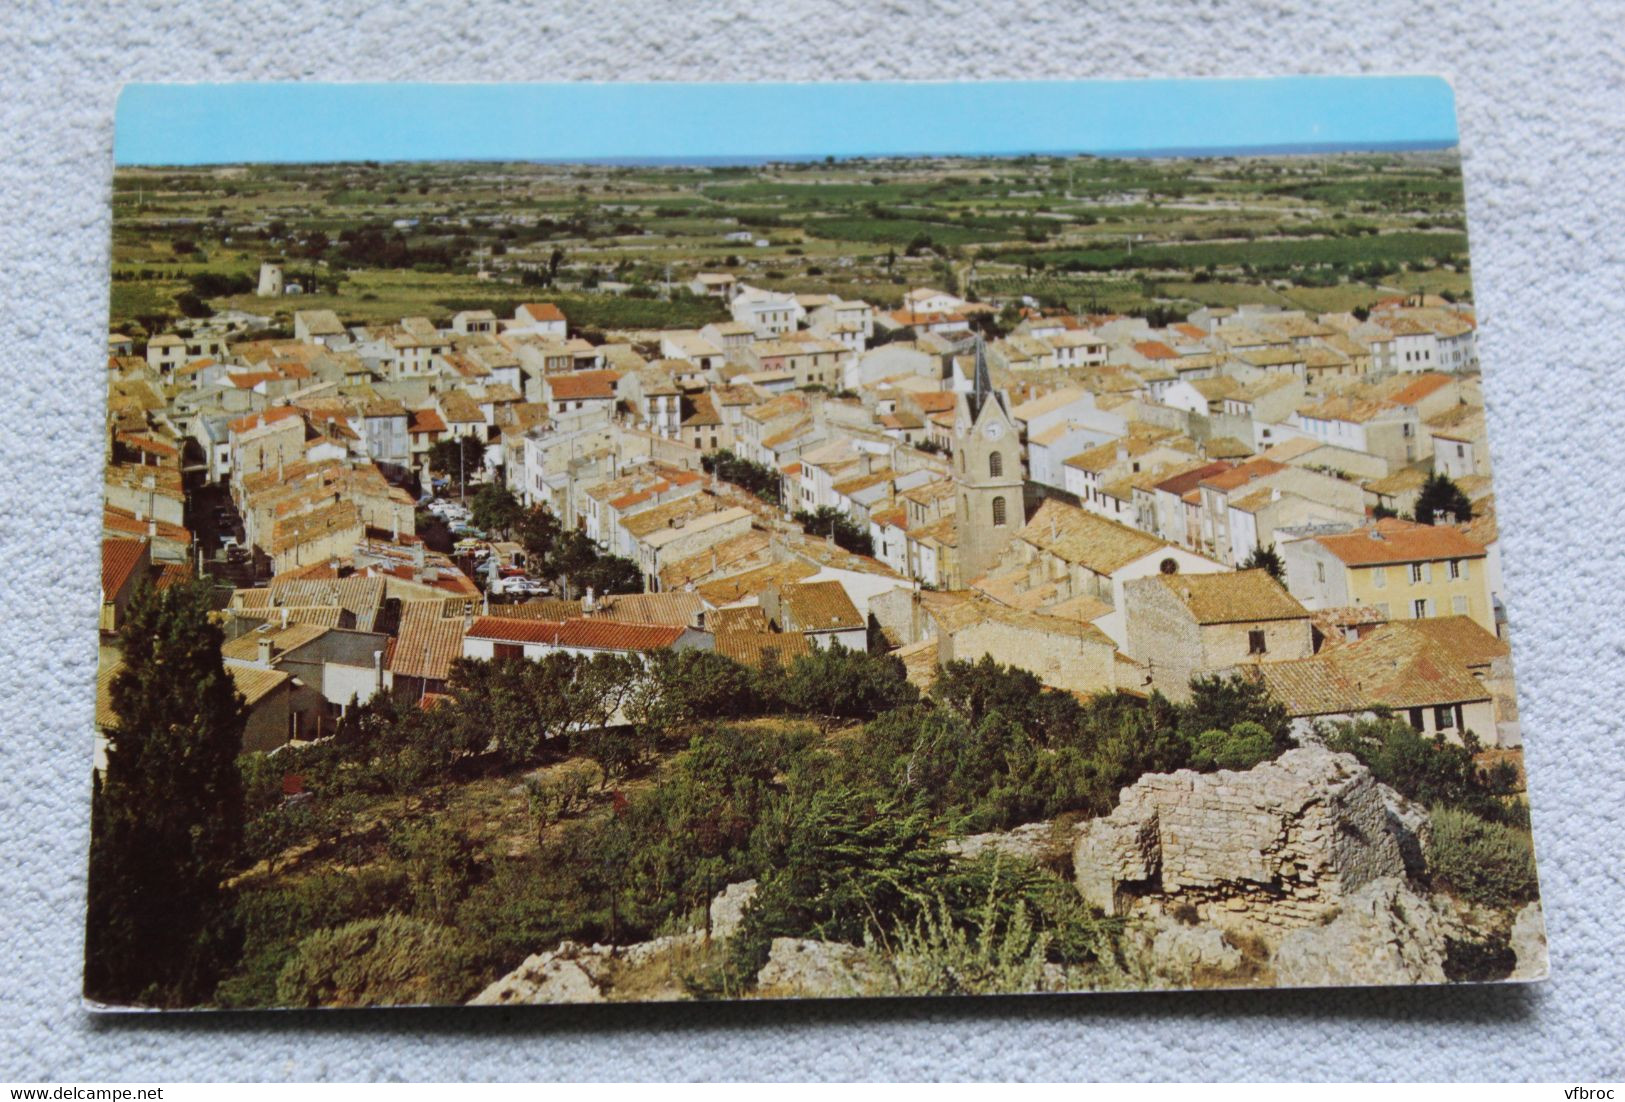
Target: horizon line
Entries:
(756, 161)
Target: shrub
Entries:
(377, 962)
(1479, 860)
(1242, 747)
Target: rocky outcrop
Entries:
(570, 973)
(1281, 845)
(1385, 934)
(728, 909)
(1408, 822)
(807, 969)
(1028, 842)
(576, 973)
(1529, 944)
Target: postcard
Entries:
(615, 543)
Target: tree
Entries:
(167, 816)
(610, 574)
(1442, 500)
(496, 509)
(829, 521)
(1266, 558)
(458, 457)
(539, 531)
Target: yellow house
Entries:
(1406, 571)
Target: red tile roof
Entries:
(264, 417)
(1155, 350)
(427, 420)
(543, 311)
(1245, 473)
(1180, 484)
(1420, 388)
(1399, 541)
(578, 385)
(120, 560)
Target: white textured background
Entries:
(1540, 98)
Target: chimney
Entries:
(265, 652)
(417, 562)
(587, 602)
(377, 671)
(284, 618)
(152, 529)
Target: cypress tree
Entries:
(167, 815)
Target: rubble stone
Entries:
(1280, 845)
(1386, 934)
(728, 909)
(1529, 944)
(804, 968)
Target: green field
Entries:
(390, 240)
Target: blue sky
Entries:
(179, 124)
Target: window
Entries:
(995, 465)
(1416, 719)
(1320, 572)
(1379, 577)
(1419, 608)
(998, 512)
(1458, 605)
(1382, 610)
(1455, 569)
(1416, 573)
(1444, 717)
(1255, 642)
(1461, 451)
(506, 651)
(1168, 566)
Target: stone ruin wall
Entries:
(1281, 845)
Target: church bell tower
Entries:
(988, 507)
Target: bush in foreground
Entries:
(389, 961)
(1481, 861)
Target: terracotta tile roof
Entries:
(1241, 475)
(1180, 484)
(263, 417)
(1419, 388)
(1391, 540)
(589, 634)
(1078, 536)
(148, 444)
(341, 516)
(246, 647)
(740, 618)
(1462, 636)
(819, 606)
(582, 385)
(758, 649)
(1353, 410)
(121, 559)
(749, 583)
(1155, 350)
(1227, 447)
(543, 311)
(1394, 666)
(1245, 596)
(427, 420)
(427, 642)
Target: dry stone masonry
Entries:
(1280, 846)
